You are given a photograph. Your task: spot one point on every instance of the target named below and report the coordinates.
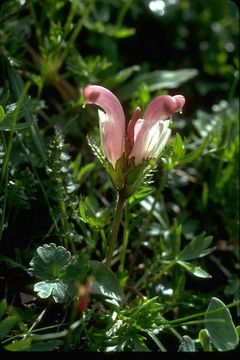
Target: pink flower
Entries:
(145, 137)
(111, 121)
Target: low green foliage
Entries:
(174, 278)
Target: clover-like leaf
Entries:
(49, 261)
(61, 291)
(77, 269)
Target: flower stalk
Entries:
(115, 226)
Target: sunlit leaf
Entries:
(61, 291)
(196, 248)
(205, 340)
(48, 262)
(194, 269)
(220, 326)
(156, 80)
(2, 114)
(188, 158)
(187, 344)
(105, 283)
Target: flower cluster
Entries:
(144, 137)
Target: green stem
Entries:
(123, 12)
(125, 240)
(77, 29)
(5, 195)
(115, 226)
(11, 135)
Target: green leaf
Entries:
(49, 261)
(196, 248)
(11, 263)
(110, 30)
(140, 195)
(220, 326)
(195, 153)
(204, 339)
(232, 288)
(120, 77)
(187, 344)
(156, 80)
(21, 345)
(77, 269)
(29, 344)
(45, 345)
(59, 271)
(3, 307)
(7, 324)
(6, 122)
(178, 148)
(138, 343)
(96, 150)
(194, 270)
(105, 283)
(62, 292)
(90, 216)
(2, 114)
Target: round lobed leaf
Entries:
(49, 261)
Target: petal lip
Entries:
(131, 124)
(162, 107)
(180, 102)
(149, 139)
(98, 95)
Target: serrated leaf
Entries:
(220, 326)
(96, 151)
(137, 174)
(194, 270)
(116, 174)
(105, 283)
(49, 261)
(61, 291)
(187, 344)
(196, 248)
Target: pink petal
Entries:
(98, 95)
(131, 124)
(149, 139)
(162, 107)
(112, 122)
